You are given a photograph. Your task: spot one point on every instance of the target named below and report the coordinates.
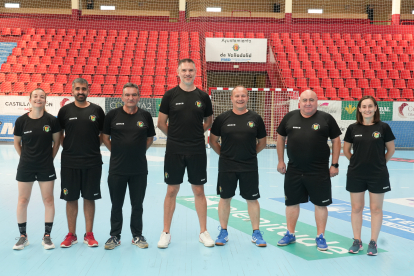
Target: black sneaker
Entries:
(140, 241)
(372, 248)
(112, 242)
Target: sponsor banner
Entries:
(331, 107)
(271, 224)
(7, 127)
(149, 104)
(349, 110)
(236, 49)
(159, 138)
(408, 201)
(392, 223)
(403, 111)
(19, 105)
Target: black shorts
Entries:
(23, 176)
(377, 186)
(300, 188)
(248, 183)
(175, 164)
(75, 181)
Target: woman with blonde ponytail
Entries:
(36, 140)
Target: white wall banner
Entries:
(19, 105)
(236, 49)
(403, 111)
(159, 138)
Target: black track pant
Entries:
(117, 189)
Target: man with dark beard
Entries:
(82, 123)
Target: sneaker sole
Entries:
(21, 248)
(110, 248)
(162, 246)
(372, 254)
(323, 249)
(93, 245)
(206, 245)
(284, 244)
(47, 247)
(141, 246)
(64, 246)
(356, 252)
(220, 243)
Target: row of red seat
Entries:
(234, 35)
(95, 89)
(28, 52)
(356, 93)
(100, 79)
(278, 48)
(131, 46)
(342, 43)
(94, 32)
(346, 74)
(345, 57)
(344, 36)
(91, 69)
(349, 83)
(343, 65)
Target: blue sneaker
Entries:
(258, 239)
(223, 237)
(287, 239)
(321, 243)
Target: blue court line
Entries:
(392, 223)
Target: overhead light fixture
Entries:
(12, 5)
(107, 8)
(412, 11)
(213, 9)
(315, 10)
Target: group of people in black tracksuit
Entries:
(185, 114)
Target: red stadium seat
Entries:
(123, 79)
(338, 83)
(108, 89)
(407, 94)
(382, 93)
(57, 88)
(387, 83)
(22, 78)
(65, 69)
(110, 79)
(99, 79)
(393, 74)
(146, 91)
(49, 78)
(61, 79)
(45, 87)
(400, 83)
(375, 83)
(314, 82)
(95, 89)
(136, 80)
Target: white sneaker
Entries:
(47, 243)
(165, 240)
(206, 239)
(21, 243)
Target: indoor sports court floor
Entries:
(185, 255)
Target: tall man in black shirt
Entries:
(188, 111)
(128, 133)
(81, 160)
(308, 174)
(238, 128)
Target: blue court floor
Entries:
(185, 255)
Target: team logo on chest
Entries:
(376, 134)
(46, 128)
(316, 126)
(92, 118)
(198, 104)
(250, 123)
(140, 124)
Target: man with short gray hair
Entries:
(128, 132)
(82, 123)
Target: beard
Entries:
(79, 98)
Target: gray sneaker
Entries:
(112, 242)
(140, 242)
(21, 243)
(356, 247)
(372, 248)
(47, 242)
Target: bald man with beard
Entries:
(308, 173)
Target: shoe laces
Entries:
(372, 244)
(259, 234)
(69, 235)
(47, 239)
(21, 240)
(140, 238)
(222, 233)
(356, 242)
(206, 234)
(112, 238)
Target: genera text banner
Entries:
(236, 49)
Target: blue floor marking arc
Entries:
(393, 223)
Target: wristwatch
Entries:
(335, 165)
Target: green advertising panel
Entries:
(149, 104)
(349, 109)
(386, 109)
(274, 227)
